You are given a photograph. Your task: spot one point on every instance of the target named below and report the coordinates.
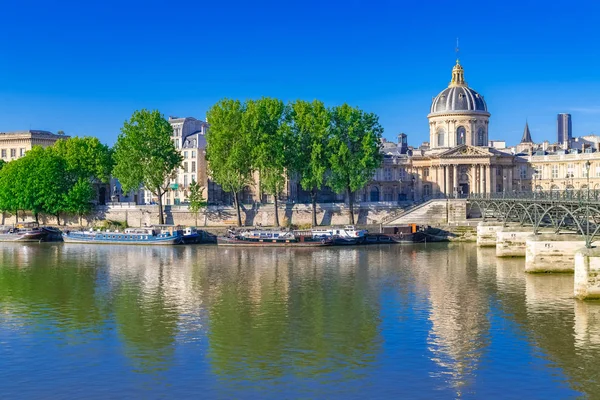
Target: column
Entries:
(419, 193)
(482, 179)
(455, 180)
(437, 180)
(488, 179)
(493, 173)
(446, 179)
(509, 180)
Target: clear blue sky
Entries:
(84, 68)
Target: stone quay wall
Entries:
(220, 216)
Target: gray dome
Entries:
(458, 98)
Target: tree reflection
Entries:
(34, 278)
(286, 313)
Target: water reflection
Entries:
(443, 320)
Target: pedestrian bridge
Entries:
(568, 211)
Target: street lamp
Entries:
(588, 242)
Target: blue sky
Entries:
(84, 68)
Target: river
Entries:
(389, 321)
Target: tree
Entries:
(86, 157)
(310, 126)
(144, 155)
(45, 184)
(77, 200)
(60, 133)
(2, 163)
(229, 149)
(196, 199)
(264, 119)
(354, 150)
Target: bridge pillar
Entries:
(552, 252)
(511, 241)
(587, 274)
(486, 233)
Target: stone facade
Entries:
(15, 144)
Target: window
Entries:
(193, 154)
(425, 172)
(193, 178)
(554, 172)
(185, 167)
(185, 154)
(461, 135)
(523, 172)
(13, 152)
(185, 180)
(388, 174)
(3, 153)
(570, 170)
(440, 137)
(22, 152)
(481, 137)
(193, 166)
(597, 170)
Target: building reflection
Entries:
(458, 314)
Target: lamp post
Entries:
(588, 242)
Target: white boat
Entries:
(347, 232)
(160, 234)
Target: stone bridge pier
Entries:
(552, 252)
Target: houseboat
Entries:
(157, 235)
(348, 235)
(28, 232)
(271, 238)
(192, 235)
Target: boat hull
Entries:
(223, 241)
(153, 242)
(38, 236)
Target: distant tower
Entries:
(526, 135)
(564, 130)
(403, 143)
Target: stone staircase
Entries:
(432, 212)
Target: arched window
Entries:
(461, 135)
(440, 137)
(481, 137)
(374, 193)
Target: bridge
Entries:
(568, 211)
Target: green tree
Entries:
(264, 119)
(2, 163)
(196, 199)
(11, 184)
(144, 155)
(86, 157)
(46, 182)
(229, 149)
(77, 200)
(310, 124)
(354, 150)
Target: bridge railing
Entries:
(582, 195)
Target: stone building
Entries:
(15, 144)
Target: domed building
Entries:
(459, 159)
(458, 115)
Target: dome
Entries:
(458, 97)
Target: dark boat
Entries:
(268, 238)
(191, 235)
(27, 232)
(406, 234)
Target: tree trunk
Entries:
(236, 202)
(277, 211)
(161, 216)
(351, 205)
(313, 198)
(58, 219)
(16, 216)
(3, 217)
(36, 218)
(196, 218)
